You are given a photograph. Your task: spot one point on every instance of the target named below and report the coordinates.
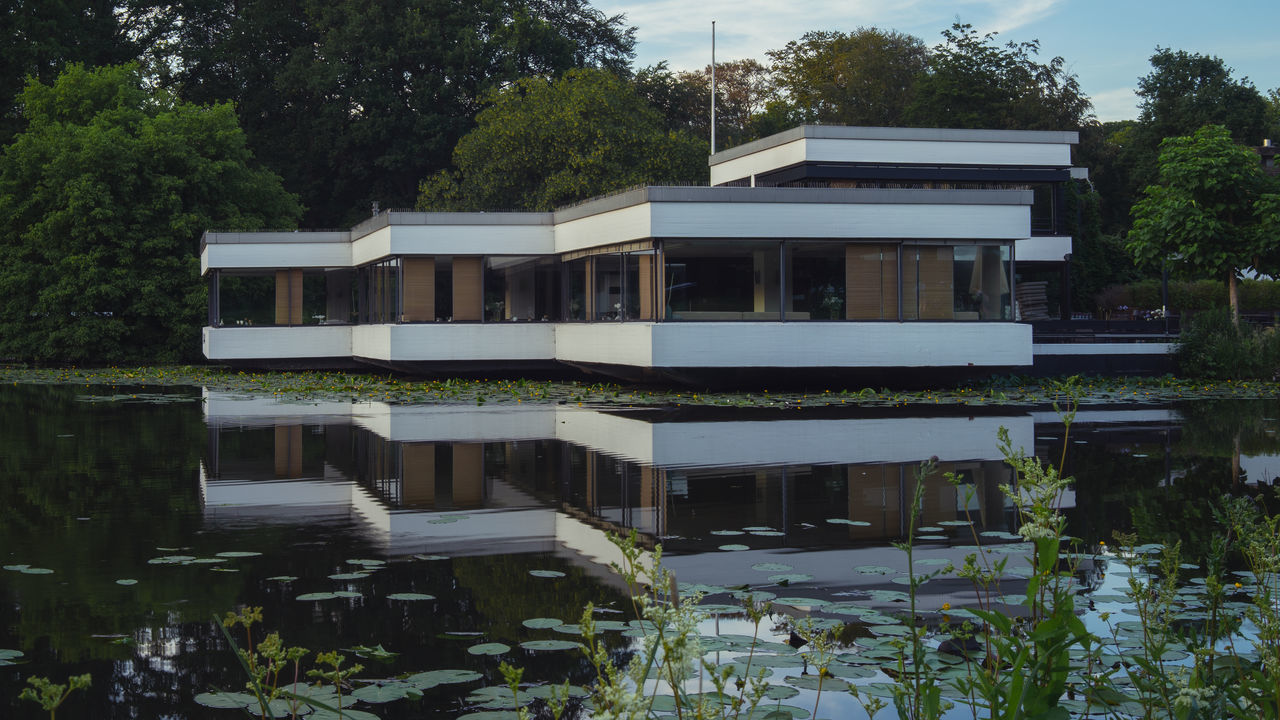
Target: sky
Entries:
(1106, 44)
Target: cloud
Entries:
(679, 31)
(1115, 104)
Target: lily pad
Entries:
(36, 571)
(238, 554)
(171, 560)
(845, 521)
(225, 700)
(7, 657)
(493, 648)
(542, 623)
(771, 567)
(367, 563)
(385, 692)
(432, 678)
(305, 597)
(790, 578)
(549, 645)
(349, 576)
(727, 532)
(546, 573)
(410, 596)
(126, 581)
(16, 568)
(430, 557)
(346, 594)
(734, 548)
(283, 578)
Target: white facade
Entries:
(669, 278)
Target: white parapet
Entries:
(452, 342)
(277, 343)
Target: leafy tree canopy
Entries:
(972, 82)
(38, 38)
(102, 200)
(354, 102)
(544, 143)
(1213, 212)
(1186, 91)
(866, 77)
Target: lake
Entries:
(423, 539)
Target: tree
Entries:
(971, 82)
(543, 143)
(1214, 212)
(354, 102)
(38, 38)
(742, 93)
(102, 200)
(866, 77)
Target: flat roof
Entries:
(853, 132)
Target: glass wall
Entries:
(816, 281)
(521, 289)
(282, 297)
(715, 281)
(378, 297)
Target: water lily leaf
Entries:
(801, 602)
(346, 594)
(545, 691)
(546, 573)
(493, 648)
(754, 528)
(283, 578)
(568, 629)
(845, 521)
(773, 661)
(790, 578)
(767, 533)
(8, 657)
(734, 547)
(126, 581)
(367, 562)
(171, 560)
(491, 715)
(727, 532)
(955, 523)
(16, 568)
(225, 700)
(385, 692)
(347, 714)
(771, 567)
(541, 623)
(222, 569)
(430, 557)
(238, 554)
(875, 570)
(410, 596)
(549, 645)
(432, 678)
(206, 561)
(374, 653)
(36, 571)
(349, 576)
(316, 596)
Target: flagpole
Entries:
(713, 87)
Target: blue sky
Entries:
(1106, 44)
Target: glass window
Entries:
(713, 281)
(379, 292)
(816, 281)
(521, 289)
(284, 297)
(575, 289)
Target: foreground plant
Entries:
(49, 695)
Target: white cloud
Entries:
(1115, 104)
(680, 32)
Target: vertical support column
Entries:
(288, 297)
(468, 293)
(589, 289)
(215, 309)
(419, 289)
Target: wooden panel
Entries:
(646, 286)
(910, 287)
(288, 451)
(889, 282)
(468, 474)
(288, 297)
(419, 289)
(468, 300)
(862, 279)
(419, 474)
(936, 277)
(589, 289)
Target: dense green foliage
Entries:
(865, 77)
(102, 200)
(544, 143)
(973, 82)
(1213, 213)
(354, 102)
(1212, 346)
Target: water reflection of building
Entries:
(407, 473)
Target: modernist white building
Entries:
(822, 248)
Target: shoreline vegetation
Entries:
(311, 386)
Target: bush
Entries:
(1211, 347)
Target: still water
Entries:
(128, 520)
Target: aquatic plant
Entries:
(51, 695)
